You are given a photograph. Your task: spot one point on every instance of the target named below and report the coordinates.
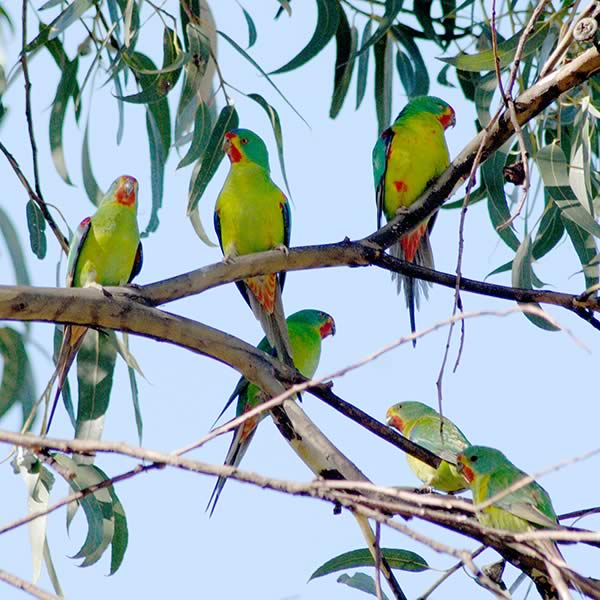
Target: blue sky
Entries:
(526, 391)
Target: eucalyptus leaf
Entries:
(15, 249)
(64, 91)
(202, 130)
(276, 125)
(485, 60)
(68, 16)
(392, 8)
(383, 51)
(95, 369)
(93, 191)
(363, 66)
(346, 40)
(328, 15)
(213, 155)
(522, 275)
(493, 180)
(405, 560)
(361, 581)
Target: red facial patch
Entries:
(464, 470)
(328, 328)
(263, 288)
(447, 118)
(229, 148)
(410, 241)
(396, 421)
(401, 186)
(126, 191)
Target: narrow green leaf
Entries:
(285, 6)
(586, 249)
(392, 8)
(405, 37)
(552, 164)
(158, 158)
(276, 125)
(522, 275)
(228, 119)
(37, 229)
(346, 39)
(507, 266)
(328, 15)
(484, 60)
(199, 230)
(38, 481)
(491, 172)
(95, 369)
(157, 83)
(449, 20)
(120, 537)
(363, 66)
(66, 390)
(360, 581)
(485, 88)
(251, 28)
(406, 72)
(61, 58)
(15, 250)
(476, 196)
(92, 189)
(195, 72)
(404, 560)
(383, 51)
(97, 507)
(550, 231)
(68, 16)
(202, 128)
(260, 70)
(64, 91)
(16, 374)
(422, 11)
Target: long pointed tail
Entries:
(72, 339)
(413, 247)
(272, 320)
(239, 445)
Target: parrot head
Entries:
(316, 318)
(437, 107)
(122, 190)
(399, 415)
(245, 145)
(475, 461)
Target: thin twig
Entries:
(26, 586)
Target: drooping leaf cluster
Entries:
(190, 101)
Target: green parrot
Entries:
(406, 157)
(421, 424)
(528, 508)
(253, 215)
(306, 328)
(105, 250)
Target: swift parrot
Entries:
(306, 328)
(105, 250)
(528, 508)
(421, 424)
(253, 215)
(406, 157)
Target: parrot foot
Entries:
(282, 248)
(99, 287)
(229, 259)
(425, 489)
(403, 210)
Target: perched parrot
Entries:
(253, 215)
(406, 157)
(306, 330)
(105, 250)
(421, 424)
(528, 508)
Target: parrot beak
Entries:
(230, 148)
(393, 420)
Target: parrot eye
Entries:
(473, 458)
(243, 141)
